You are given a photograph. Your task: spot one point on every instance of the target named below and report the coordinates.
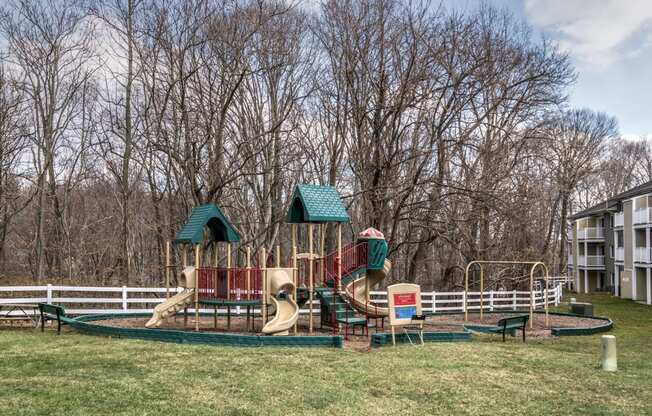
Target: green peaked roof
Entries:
(316, 203)
(207, 215)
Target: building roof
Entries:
(643, 189)
(596, 209)
(207, 215)
(611, 204)
(316, 203)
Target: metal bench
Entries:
(51, 312)
(511, 324)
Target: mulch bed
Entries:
(539, 330)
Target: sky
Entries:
(610, 44)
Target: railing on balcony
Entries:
(620, 253)
(590, 261)
(619, 219)
(642, 254)
(590, 233)
(642, 216)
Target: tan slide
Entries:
(356, 291)
(287, 311)
(177, 302)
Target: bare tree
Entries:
(440, 127)
(50, 42)
(13, 142)
(576, 141)
(119, 132)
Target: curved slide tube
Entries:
(356, 291)
(176, 302)
(287, 311)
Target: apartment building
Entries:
(610, 246)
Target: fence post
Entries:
(48, 294)
(124, 298)
(514, 300)
(434, 301)
(491, 300)
(464, 304)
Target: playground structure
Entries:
(341, 280)
(215, 273)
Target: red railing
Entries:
(325, 270)
(236, 283)
(353, 257)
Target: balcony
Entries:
(642, 216)
(619, 219)
(620, 253)
(590, 261)
(590, 233)
(642, 254)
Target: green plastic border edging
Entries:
(385, 338)
(83, 325)
(605, 327)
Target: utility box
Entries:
(581, 308)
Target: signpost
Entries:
(405, 308)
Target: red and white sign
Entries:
(405, 299)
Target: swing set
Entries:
(481, 263)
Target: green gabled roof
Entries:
(316, 203)
(208, 215)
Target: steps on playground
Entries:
(344, 314)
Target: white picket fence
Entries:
(143, 299)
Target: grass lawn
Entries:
(82, 375)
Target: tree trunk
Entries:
(564, 232)
(40, 231)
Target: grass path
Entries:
(81, 375)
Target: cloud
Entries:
(596, 33)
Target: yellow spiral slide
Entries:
(356, 291)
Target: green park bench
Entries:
(511, 324)
(51, 312)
